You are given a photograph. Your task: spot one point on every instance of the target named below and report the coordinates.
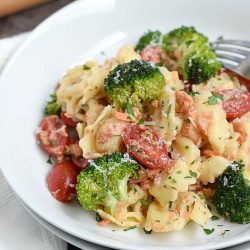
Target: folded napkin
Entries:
(18, 229)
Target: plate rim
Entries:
(33, 34)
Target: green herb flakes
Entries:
(85, 67)
(145, 202)
(98, 218)
(169, 110)
(146, 231)
(129, 228)
(52, 107)
(129, 110)
(192, 173)
(212, 100)
(141, 121)
(214, 217)
(193, 93)
(208, 231)
(49, 160)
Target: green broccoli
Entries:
(149, 38)
(134, 82)
(195, 59)
(105, 182)
(52, 107)
(232, 194)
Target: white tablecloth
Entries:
(18, 229)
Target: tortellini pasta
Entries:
(185, 148)
(211, 168)
(201, 142)
(168, 124)
(167, 188)
(218, 130)
(79, 86)
(188, 206)
(88, 141)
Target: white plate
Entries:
(83, 30)
(65, 236)
(89, 246)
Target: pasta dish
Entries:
(146, 139)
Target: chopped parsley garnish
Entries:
(98, 218)
(214, 217)
(85, 67)
(186, 147)
(129, 228)
(208, 231)
(49, 160)
(193, 93)
(193, 174)
(179, 172)
(174, 181)
(141, 121)
(170, 204)
(212, 100)
(187, 121)
(129, 110)
(169, 110)
(146, 231)
(52, 107)
(188, 177)
(145, 202)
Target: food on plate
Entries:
(147, 138)
(132, 83)
(194, 58)
(232, 194)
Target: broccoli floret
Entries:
(134, 82)
(232, 194)
(199, 65)
(105, 182)
(52, 107)
(149, 38)
(195, 59)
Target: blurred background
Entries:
(18, 16)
